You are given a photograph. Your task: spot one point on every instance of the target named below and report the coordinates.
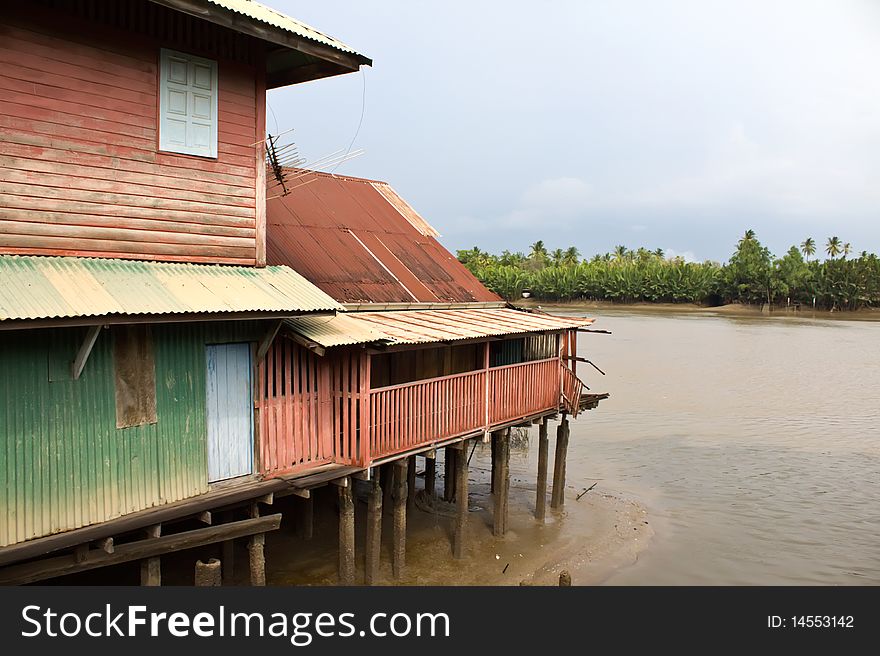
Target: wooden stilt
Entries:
(502, 482)
(399, 494)
(346, 535)
(557, 499)
(461, 496)
(227, 558)
(564, 579)
(387, 476)
(257, 559)
(541, 485)
(208, 574)
(494, 441)
(374, 531)
(306, 519)
(151, 571)
(449, 474)
(411, 483)
(430, 476)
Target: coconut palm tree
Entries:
(847, 249)
(539, 251)
(748, 236)
(620, 253)
(572, 255)
(833, 247)
(660, 253)
(808, 247)
(556, 256)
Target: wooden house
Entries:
(424, 356)
(135, 298)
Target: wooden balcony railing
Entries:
(403, 417)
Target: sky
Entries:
(674, 124)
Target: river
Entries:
(754, 442)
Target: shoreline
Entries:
(731, 309)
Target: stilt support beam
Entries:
(151, 571)
(257, 559)
(461, 496)
(208, 574)
(502, 482)
(346, 536)
(449, 474)
(557, 500)
(430, 477)
(411, 483)
(374, 531)
(541, 485)
(398, 496)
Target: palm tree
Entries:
(847, 249)
(833, 247)
(539, 251)
(572, 255)
(749, 236)
(808, 247)
(556, 256)
(660, 253)
(620, 253)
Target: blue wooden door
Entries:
(230, 411)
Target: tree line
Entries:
(752, 275)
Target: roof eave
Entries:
(341, 62)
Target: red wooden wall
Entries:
(80, 170)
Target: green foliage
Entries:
(752, 275)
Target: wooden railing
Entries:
(520, 390)
(572, 388)
(405, 416)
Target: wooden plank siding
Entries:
(80, 169)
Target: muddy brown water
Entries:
(754, 442)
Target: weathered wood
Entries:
(40, 570)
(257, 559)
(461, 496)
(411, 483)
(557, 499)
(564, 579)
(227, 557)
(151, 571)
(494, 460)
(82, 356)
(346, 536)
(430, 476)
(208, 574)
(502, 482)
(399, 495)
(106, 545)
(306, 518)
(374, 532)
(449, 474)
(205, 517)
(541, 485)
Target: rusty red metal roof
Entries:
(360, 242)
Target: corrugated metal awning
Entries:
(426, 326)
(33, 287)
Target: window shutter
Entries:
(188, 104)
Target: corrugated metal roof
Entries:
(36, 287)
(264, 14)
(360, 242)
(425, 326)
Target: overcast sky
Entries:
(666, 123)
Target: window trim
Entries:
(166, 147)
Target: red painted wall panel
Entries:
(80, 169)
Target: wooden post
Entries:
(430, 476)
(374, 531)
(346, 534)
(541, 491)
(494, 474)
(398, 496)
(306, 523)
(151, 571)
(557, 499)
(208, 574)
(387, 475)
(502, 483)
(461, 496)
(411, 483)
(257, 559)
(449, 474)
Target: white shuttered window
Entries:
(187, 104)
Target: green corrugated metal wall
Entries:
(63, 462)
